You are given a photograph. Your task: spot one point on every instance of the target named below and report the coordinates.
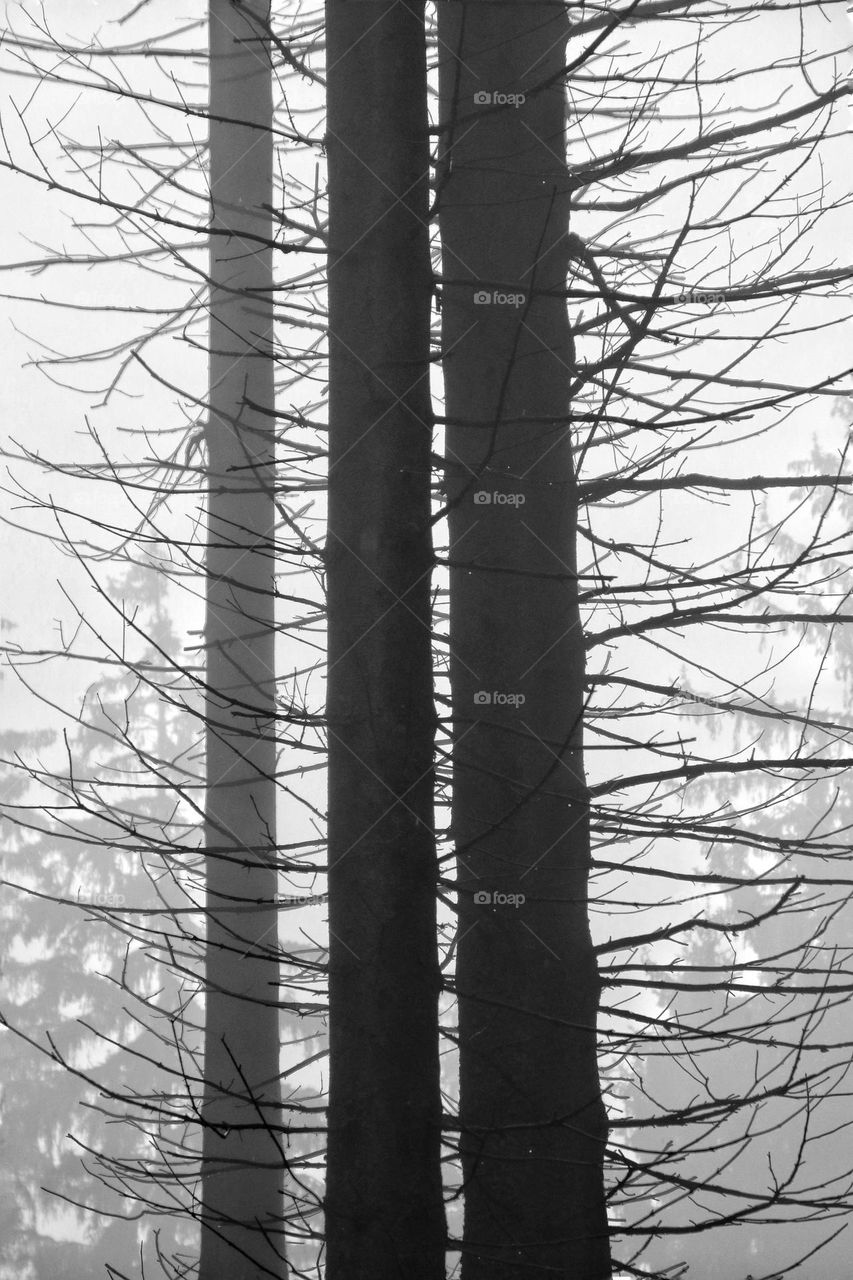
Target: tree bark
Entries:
(242, 1160)
(533, 1126)
(384, 1213)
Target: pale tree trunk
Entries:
(384, 1214)
(243, 1165)
(533, 1123)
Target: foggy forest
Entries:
(426, 662)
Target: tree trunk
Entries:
(242, 1165)
(384, 1214)
(533, 1123)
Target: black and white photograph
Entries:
(426, 640)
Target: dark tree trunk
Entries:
(384, 1208)
(242, 1167)
(533, 1123)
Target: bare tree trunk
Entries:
(384, 1206)
(243, 1165)
(533, 1123)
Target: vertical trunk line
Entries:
(242, 1159)
(533, 1126)
(384, 1211)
